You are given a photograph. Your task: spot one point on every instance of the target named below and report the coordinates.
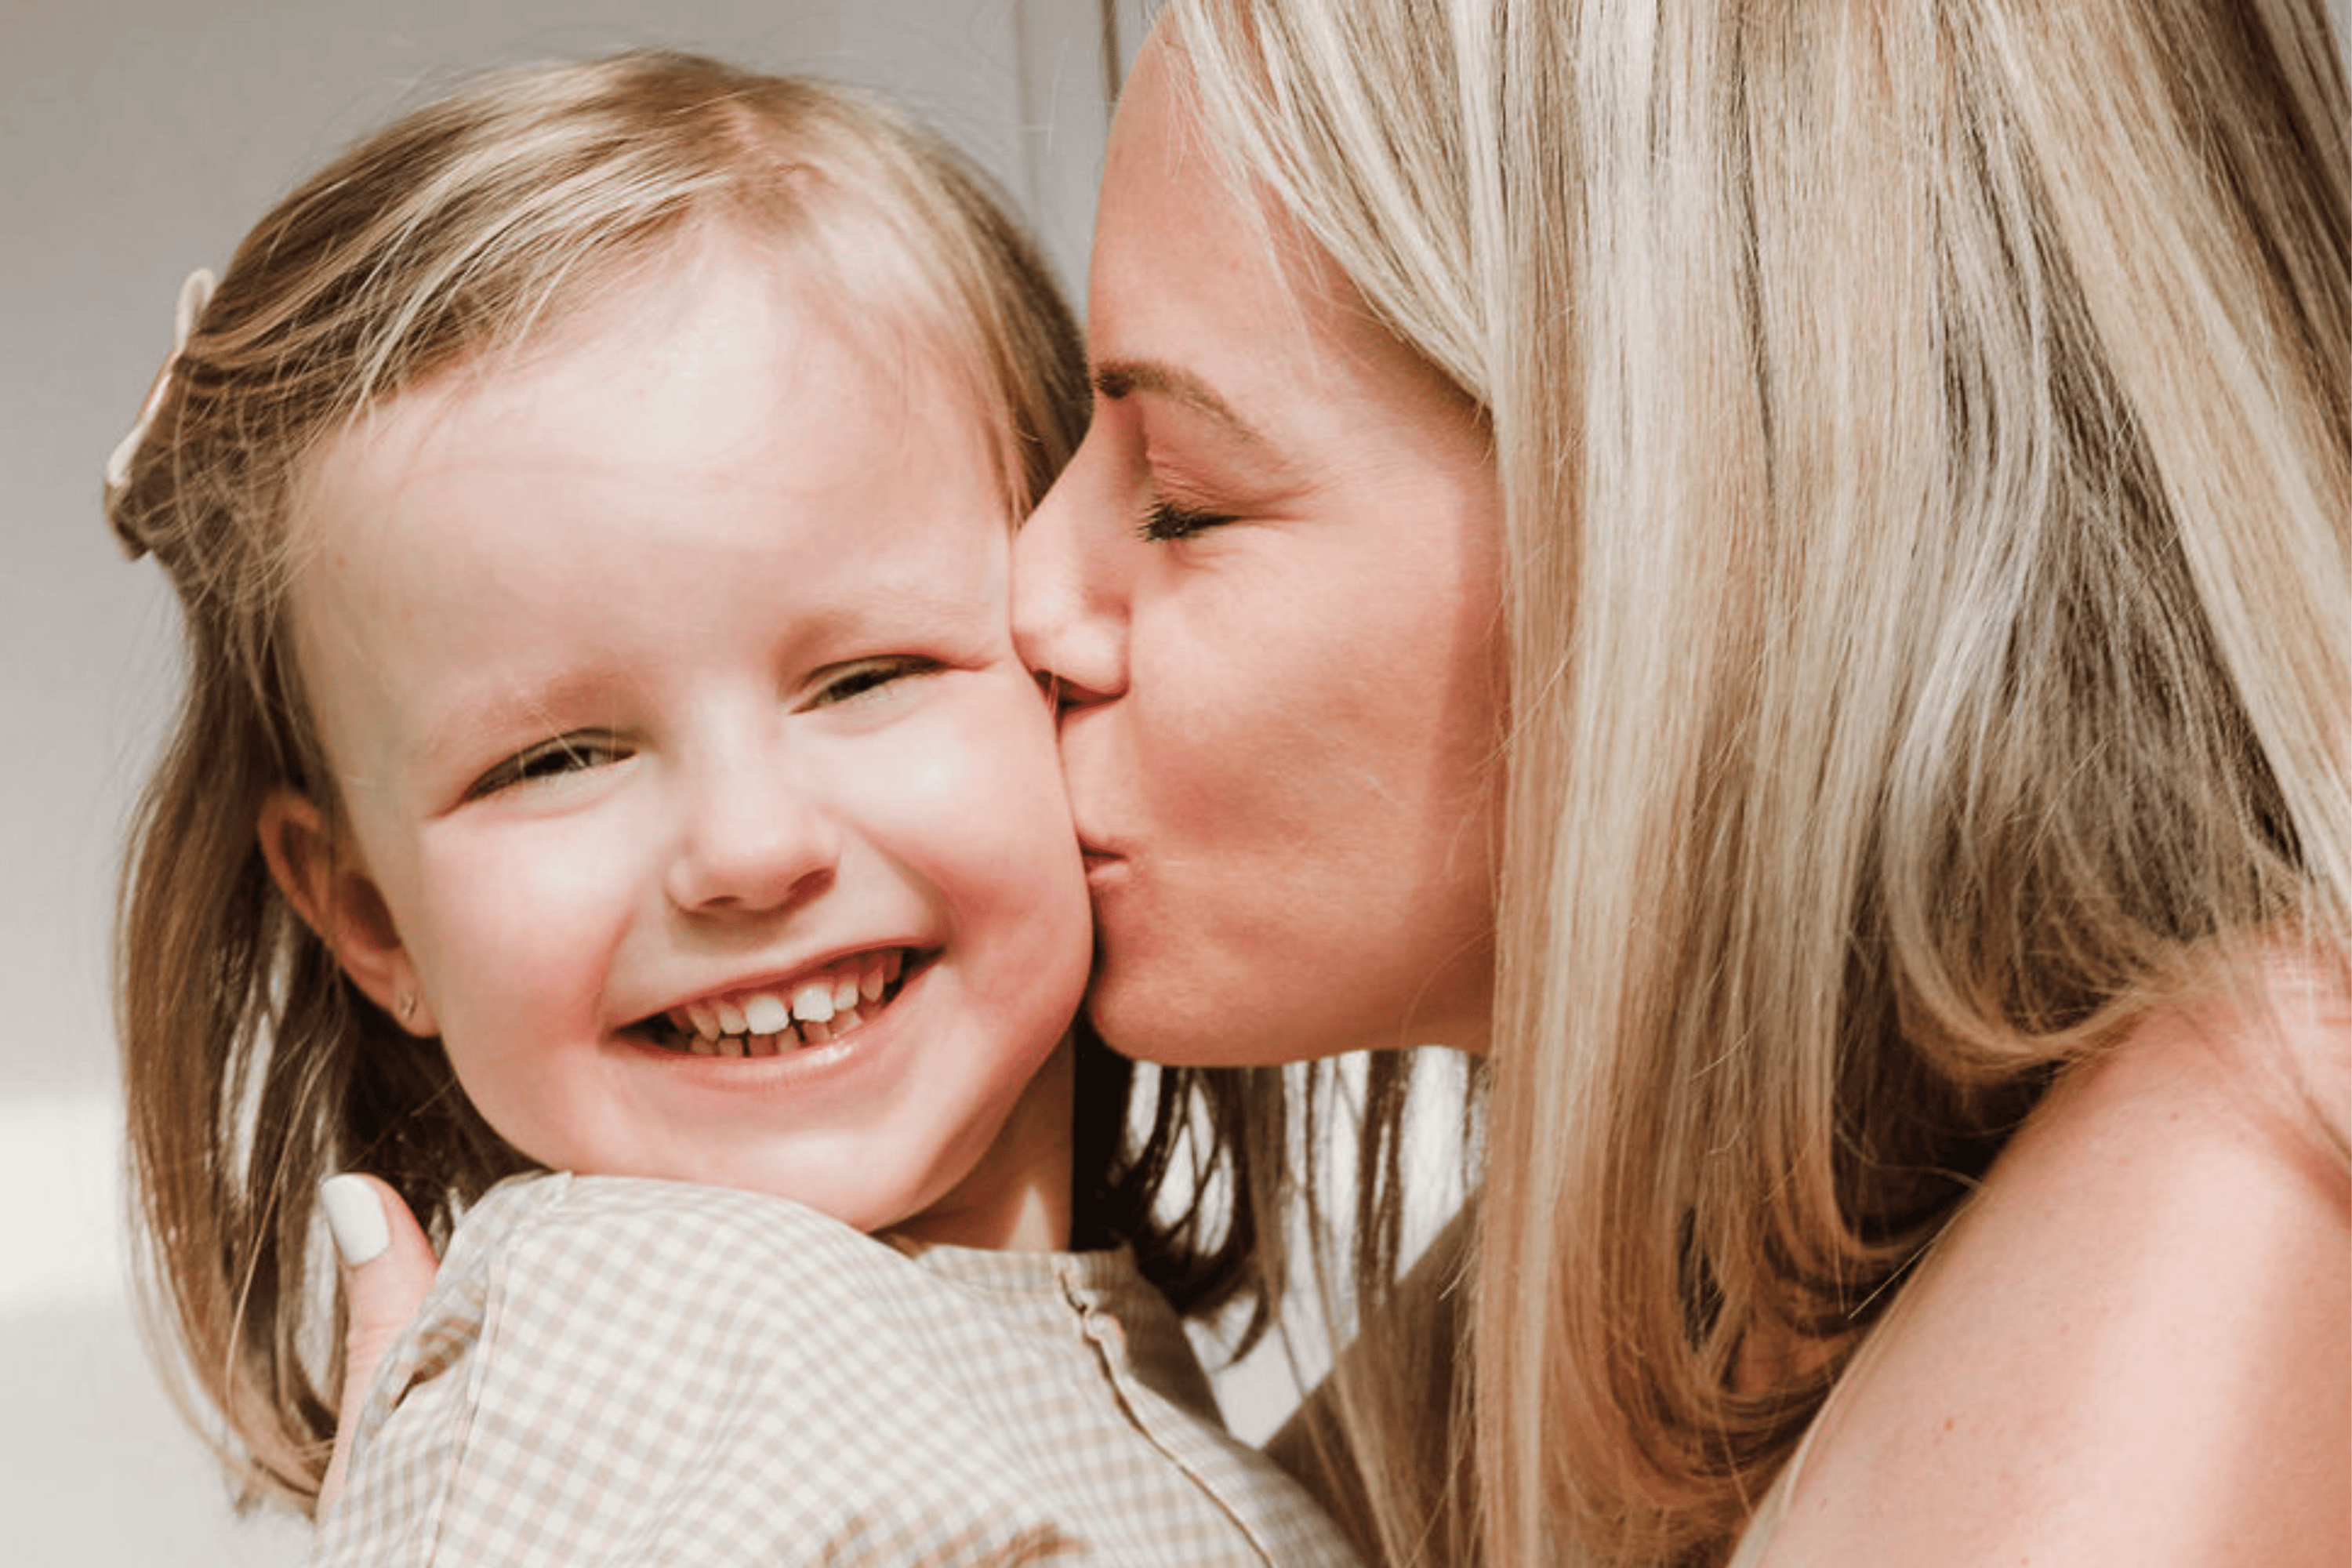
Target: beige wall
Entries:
(138, 138)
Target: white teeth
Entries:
(812, 1001)
(766, 1014)
(762, 1023)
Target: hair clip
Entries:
(196, 293)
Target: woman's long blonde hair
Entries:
(1925, 435)
(252, 1066)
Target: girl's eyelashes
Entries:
(852, 681)
(550, 759)
(582, 750)
(1164, 521)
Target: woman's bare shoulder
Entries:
(2136, 1345)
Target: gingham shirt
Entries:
(612, 1370)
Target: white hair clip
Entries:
(196, 293)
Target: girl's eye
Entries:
(853, 681)
(1164, 521)
(564, 754)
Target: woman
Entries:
(1781, 571)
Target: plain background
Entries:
(139, 139)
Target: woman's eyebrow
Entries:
(1114, 379)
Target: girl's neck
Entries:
(1017, 1197)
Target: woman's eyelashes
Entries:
(1164, 521)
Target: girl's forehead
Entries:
(725, 438)
(718, 371)
(711, 297)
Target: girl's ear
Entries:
(332, 893)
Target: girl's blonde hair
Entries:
(253, 1068)
(1926, 435)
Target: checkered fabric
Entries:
(614, 1371)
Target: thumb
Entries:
(388, 1267)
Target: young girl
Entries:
(604, 755)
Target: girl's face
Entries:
(667, 683)
(1268, 586)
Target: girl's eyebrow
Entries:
(479, 724)
(1114, 379)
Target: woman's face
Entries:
(1269, 587)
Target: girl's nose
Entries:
(1072, 563)
(753, 839)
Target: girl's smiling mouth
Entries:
(812, 1009)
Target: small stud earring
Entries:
(408, 1006)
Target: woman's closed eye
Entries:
(551, 759)
(1166, 520)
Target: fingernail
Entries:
(355, 1218)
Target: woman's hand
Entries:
(388, 1266)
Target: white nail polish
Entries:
(355, 1219)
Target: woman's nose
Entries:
(752, 838)
(1071, 583)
